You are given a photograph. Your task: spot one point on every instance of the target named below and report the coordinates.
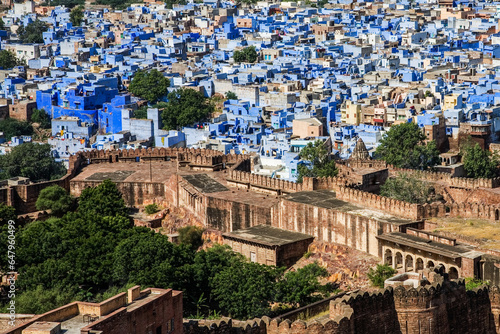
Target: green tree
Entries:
(247, 290)
(103, 200)
(479, 163)
(66, 3)
(472, 283)
(191, 236)
(148, 258)
(185, 107)
(151, 86)
(56, 199)
(7, 59)
(33, 161)
(403, 146)
(11, 127)
(6, 213)
(41, 300)
(151, 208)
(206, 265)
(141, 113)
(302, 286)
(33, 32)
(378, 276)
(406, 188)
(41, 117)
(317, 154)
(231, 96)
(170, 3)
(76, 16)
(248, 54)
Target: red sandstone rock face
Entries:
(346, 266)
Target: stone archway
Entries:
(409, 263)
(419, 265)
(388, 258)
(430, 264)
(398, 261)
(453, 273)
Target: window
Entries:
(172, 324)
(253, 257)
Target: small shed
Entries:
(269, 245)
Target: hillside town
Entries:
(249, 167)
(339, 73)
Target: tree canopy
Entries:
(317, 154)
(33, 32)
(479, 163)
(403, 146)
(151, 86)
(76, 16)
(231, 96)
(104, 200)
(95, 251)
(11, 127)
(8, 59)
(185, 107)
(56, 199)
(41, 117)
(33, 161)
(6, 213)
(409, 189)
(248, 55)
(191, 236)
(378, 275)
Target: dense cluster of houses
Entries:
(338, 71)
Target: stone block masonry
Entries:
(444, 307)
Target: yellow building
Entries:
(451, 101)
(351, 113)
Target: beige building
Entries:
(307, 127)
(24, 51)
(450, 101)
(351, 113)
(269, 245)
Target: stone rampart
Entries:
(389, 205)
(444, 307)
(191, 155)
(460, 210)
(461, 182)
(227, 326)
(248, 180)
(449, 179)
(23, 197)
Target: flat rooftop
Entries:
(426, 245)
(267, 235)
(214, 184)
(204, 183)
(327, 199)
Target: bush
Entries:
(151, 208)
(41, 117)
(56, 199)
(472, 283)
(380, 274)
(231, 96)
(191, 236)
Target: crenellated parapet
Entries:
(200, 157)
(390, 205)
(227, 326)
(328, 326)
(256, 182)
